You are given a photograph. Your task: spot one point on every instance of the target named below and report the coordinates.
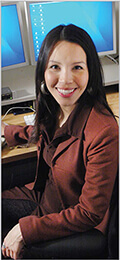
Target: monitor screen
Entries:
(95, 17)
(12, 42)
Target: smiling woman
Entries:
(77, 139)
(73, 45)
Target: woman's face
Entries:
(66, 74)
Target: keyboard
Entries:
(29, 119)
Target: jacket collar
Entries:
(75, 122)
(75, 126)
(78, 120)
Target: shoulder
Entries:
(100, 122)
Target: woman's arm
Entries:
(15, 135)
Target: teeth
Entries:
(65, 91)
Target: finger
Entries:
(14, 256)
(4, 252)
(7, 252)
(11, 254)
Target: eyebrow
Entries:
(72, 63)
(54, 61)
(79, 62)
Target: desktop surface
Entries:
(19, 152)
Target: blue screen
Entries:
(95, 17)
(11, 42)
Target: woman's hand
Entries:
(13, 243)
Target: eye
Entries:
(54, 67)
(77, 67)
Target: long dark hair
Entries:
(46, 106)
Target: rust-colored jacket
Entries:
(84, 168)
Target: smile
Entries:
(66, 92)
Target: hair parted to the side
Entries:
(46, 106)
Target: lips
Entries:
(66, 92)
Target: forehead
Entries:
(67, 50)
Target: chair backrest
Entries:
(113, 229)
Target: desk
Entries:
(18, 164)
(11, 154)
(112, 94)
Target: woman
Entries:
(77, 139)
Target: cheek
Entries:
(50, 79)
(83, 80)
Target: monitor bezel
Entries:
(29, 28)
(104, 53)
(20, 20)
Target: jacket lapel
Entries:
(63, 146)
(75, 131)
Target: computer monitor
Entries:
(13, 48)
(97, 18)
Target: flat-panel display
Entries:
(97, 18)
(13, 53)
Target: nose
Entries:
(66, 76)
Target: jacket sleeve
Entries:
(15, 134)
(101, 167)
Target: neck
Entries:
(64, 114)
(62, 121)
